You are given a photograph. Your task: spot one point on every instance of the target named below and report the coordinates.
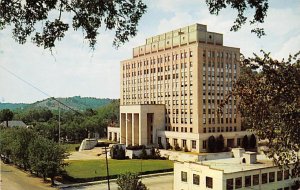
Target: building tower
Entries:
(171, 89)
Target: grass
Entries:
(70, 147)
(95, 168)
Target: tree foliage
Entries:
(260, 7)
(53, 16)
(269, 103)
(6, 115)
(28, 150)
(130, 181)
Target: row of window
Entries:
(252, 180)
(237, 182)
(160, 59)
(196, 179)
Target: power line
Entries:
(38, 89)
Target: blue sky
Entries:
(74, 69)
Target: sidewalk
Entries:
(63, 186)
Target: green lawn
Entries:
(94, 168)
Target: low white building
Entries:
(240, 170)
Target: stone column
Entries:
(123, 128)
(135, 129)
(128, 129)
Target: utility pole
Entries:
(107, 172)
(58, 123)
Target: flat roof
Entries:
(232, 165)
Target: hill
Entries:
(76, 102)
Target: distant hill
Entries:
(76, 102)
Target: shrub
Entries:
(220, 143)
(143, 154)
(252, 141)
(245, 142)
(168, 146)
(211, 144)
(185, 149)
(130, 181)
(176, 147)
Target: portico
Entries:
(140, 123)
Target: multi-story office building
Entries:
(171, 89)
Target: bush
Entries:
(252, 141)
(130, 181)
(160, 146)
(143, 154)
(245, 142)
(185, 149)
(176, 147)
(211, 144)
(77, 148)
(168, 146)
(220, 143)
(117, 152)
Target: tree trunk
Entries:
(52, 181)
(7, 123)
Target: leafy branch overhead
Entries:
(260, 6)
(47, 21)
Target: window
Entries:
(247, 181)
(193, 144)
(183, 176)
(255, 179)
(209, 182)
(196, 179)
(271, 177)
(286, 174)
(238, 182)
(229, 184)
(264, 178)
(279, 176)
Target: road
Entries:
(153, 183)
(12, 178)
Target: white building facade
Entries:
(241, 170)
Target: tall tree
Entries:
(269, 103)
(6, 115)
(53, 16)
(46, 157)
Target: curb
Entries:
(63, 186)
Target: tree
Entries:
(211, 144)
(261, 8)
(245, 142)
(27, 17)
(269, 102)
(130, 181)
(46, 157)
(19, 146)
(252, 141)
(6, 115)
(220, 143)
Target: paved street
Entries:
(14, 179)
(153, 183)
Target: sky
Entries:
(73, 69)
